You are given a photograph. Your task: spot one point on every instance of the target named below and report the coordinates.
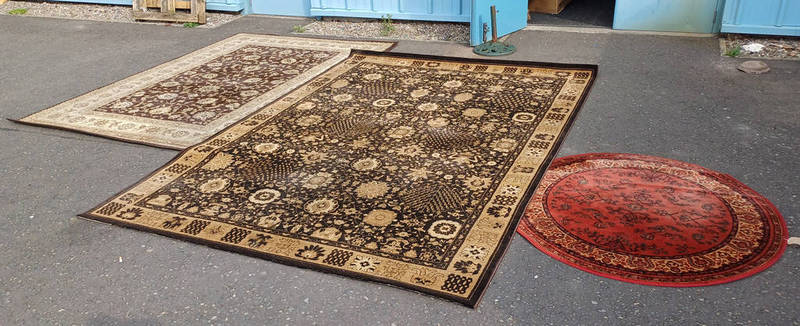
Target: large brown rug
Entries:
(184, 101)
(395, 168)
(651, 220)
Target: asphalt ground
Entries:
(668, 96)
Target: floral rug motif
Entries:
(653, 221)
(396, 168)
(184, 101)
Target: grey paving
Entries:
(668, 96)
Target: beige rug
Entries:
(405, 169)
(186, 100)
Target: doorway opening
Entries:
(577, 13)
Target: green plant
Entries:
(735, 52)
(298, 29)
(191, 25)
(387, 27)
(18, 11)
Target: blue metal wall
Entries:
(280, 7)
(432, 10)
(221, 5)
(693, 16)
(776, 17)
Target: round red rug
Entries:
(652, 220)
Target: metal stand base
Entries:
(494, 49)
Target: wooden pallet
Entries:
(196, 14)
(547, 6)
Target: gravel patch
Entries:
(371, 29)
(781, 48)
(106, 13)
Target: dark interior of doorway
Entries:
(579, 13)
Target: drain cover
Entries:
(494, 49)
(754, 67)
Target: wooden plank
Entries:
(168, 6)
(197, 12)
(200, 10)
(166, 17)
(178, 4)
(183, 5)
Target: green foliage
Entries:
(298, 29)
(18, 11)
(191, 25)
(387, 27)
(733, 53)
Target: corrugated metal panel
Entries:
(775, 17)
(433, 10)
(221, 5)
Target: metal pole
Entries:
(493, 48)
(494, 24)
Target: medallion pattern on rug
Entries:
(184, 101)
(652, 221)
(409, 171)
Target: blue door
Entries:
(693, 16)
(775, 17)
(512, 15)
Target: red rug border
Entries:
(758, 198)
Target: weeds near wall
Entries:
(387, 27)
(735, 52)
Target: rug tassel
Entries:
(794, 241)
